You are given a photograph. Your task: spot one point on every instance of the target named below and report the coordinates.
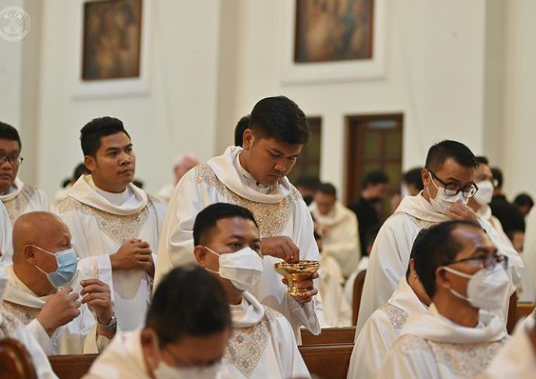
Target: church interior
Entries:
(329, 189)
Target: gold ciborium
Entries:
(296, 273)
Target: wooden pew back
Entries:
(15, 362)
(71, 366)
(329, 336)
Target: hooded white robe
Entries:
(6, 237)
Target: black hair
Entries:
(375, 177)
(498, 178)
(10, 133)
(441, 151)
(93, 131)
(308, 181)
(524, 199)
(280, 118)
(327, 189)
(80, 170)
(240, 128)
(482, 160)
(188, 302)
(206, 219)
(436, 247)
(414, 177)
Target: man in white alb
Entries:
(382, 328)
(114, 224)
(448, 179)
(464, 275)
(183, 163)
(338, 227)
(45, 291)
(227, 244)
(254, 177)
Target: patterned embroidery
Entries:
(466, 360)
(16, 206)
(396, 316)
(119, 228)
(272, 218)
(23, 313)
(246, 346)
(409, 342)
(422, 224)
(9, 323)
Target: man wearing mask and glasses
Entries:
(448, 179)
(465, 276)
(66, 315)
(227, 244)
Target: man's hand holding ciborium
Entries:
(298, 275)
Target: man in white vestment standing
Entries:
(185, 335)
(262, 345)
(115, 225)
(464, 275)
(382, 328)
(45, 291)
(448, 179)
(338, 227)
(254, 177)
(12, 327)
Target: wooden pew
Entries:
(328, 361)
(358, 292)
(71, 366)
(524, 310)
(329, 336)
(15, 362)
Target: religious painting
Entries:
(112, 39)
(333, 30)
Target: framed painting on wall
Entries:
(113, 45)
(333, 40)
(112, 39)
(333, 30)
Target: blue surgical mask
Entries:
(67, 262)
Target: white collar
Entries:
(335, 216)
(405, 298)
(13, 191)
(420, 208)
(248, 313)
(84, 192)
(435, 327)
(231, 173)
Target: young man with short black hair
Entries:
(254, 177)
(115, 225)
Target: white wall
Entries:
(435, 77)
(179, 113)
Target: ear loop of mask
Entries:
(463, 275)
(218, 255)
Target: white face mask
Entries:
(443, 202)
(485, 192)
(165, 371)
(243, 267)
(487, 289)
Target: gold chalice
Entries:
(296, 273)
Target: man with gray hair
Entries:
(183, 163)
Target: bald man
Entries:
(44, 290)
(183, 163)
